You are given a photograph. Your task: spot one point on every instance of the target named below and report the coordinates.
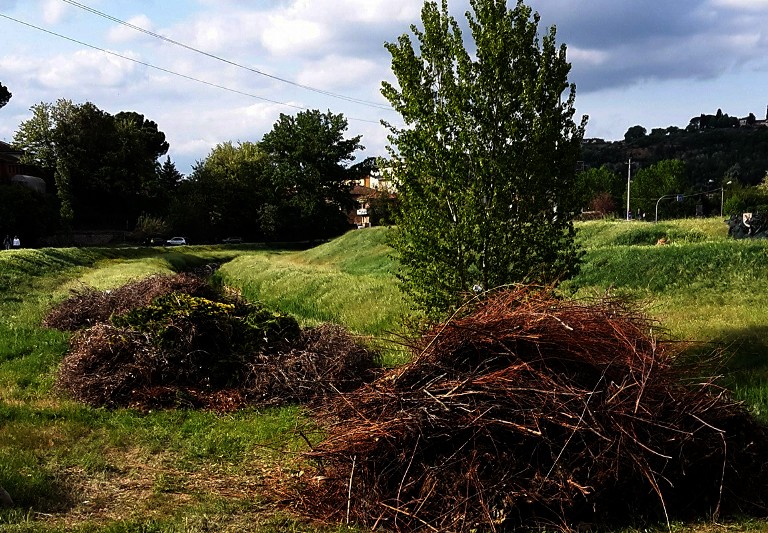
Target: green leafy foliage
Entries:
(486, 162)
(651, 183)
(181, 321)
(740, 199)
(105, 166)
(594, 182)
(293, 185)
(309, 157)
(223, 194)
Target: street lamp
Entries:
(722, 197)
(629, 178)
(722, 193)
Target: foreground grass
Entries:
(74, 468)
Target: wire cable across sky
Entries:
(168, 71)
(339, 96)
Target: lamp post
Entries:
(722, 197)
(629, 177)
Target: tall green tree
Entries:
(106, 167)
(635, 133)
(169, 176)
(310, 163)
(595, 182)
(35, 136)
(655, 181)
(225, 194)
(486, 161)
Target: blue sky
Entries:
(651, 62)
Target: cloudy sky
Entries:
(227, 68)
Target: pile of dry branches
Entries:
(88, 306)
(322, 362)
(536, 410)
(199, 359)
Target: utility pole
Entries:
(629, 177)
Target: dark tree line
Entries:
(103, 168)
(713, 151)
(712, 146)
(103, 171)
(293, 185)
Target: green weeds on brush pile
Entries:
(184, 350)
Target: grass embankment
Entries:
(701, 287)
(350, 281)
(73, 468)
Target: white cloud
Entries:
(335, 72)
(220, 31)
(223, 123)
(86, 69)
(587, 56)
(54, 11)
(289, 36)
(746, 5)
(121, 33)
(370, 11)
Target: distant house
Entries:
(13, 171)
(752, 122)
(378, 180)
(370, 191)
(360, 216)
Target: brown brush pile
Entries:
(179, 350)
(322, 362)
(88, 306)
(533, 410)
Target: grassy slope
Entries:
(701, 286)
(349, 280)
(95, 470)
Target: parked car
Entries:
(232, 240)
(176, 241)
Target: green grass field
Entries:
(75, 468)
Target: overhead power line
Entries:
(227, 61)
(168, 71)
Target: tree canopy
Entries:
(651, 183)
(5, 95)
(106, 167)
(310, 158)
(294, 184)
(224, 194)
(486, 162)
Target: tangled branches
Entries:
(150, 344)
(534, 409)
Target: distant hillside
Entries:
(709, 154)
